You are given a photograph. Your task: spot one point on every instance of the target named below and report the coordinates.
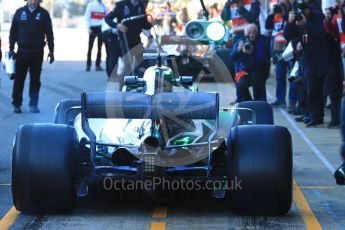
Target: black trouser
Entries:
(315, 97)
(258, 81)
(112, 48)
(95, 32)
(301, 90)
(334, 89)
(27, 61)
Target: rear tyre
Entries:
(43, 168)
(264, 168)
(263, 111)
(64, 114)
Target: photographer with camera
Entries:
(334, 77)
(241, 13)
(250, 56)
(305, 28)
(300, 80)
(275, 22)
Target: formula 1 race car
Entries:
(148, 131)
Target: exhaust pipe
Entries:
(151, 144)
(123, 157)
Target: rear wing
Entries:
(116, 105)
(129, 105)
(186, 105)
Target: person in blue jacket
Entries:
(250, 57)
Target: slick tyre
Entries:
(64, 113)
(263, 167)
(43, 168)
(263, 111)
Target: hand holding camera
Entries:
(247, 47)
(240, 46)
(301, 21)
(299, 47)
(329, 13)
(299, 8)
(292, 17)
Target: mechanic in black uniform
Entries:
(112, 48)
(131, 30)
(31, 25)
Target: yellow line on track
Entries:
(310, 221)
(158, 225)
(9, 218)
(160, 212)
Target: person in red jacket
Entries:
(94, 14)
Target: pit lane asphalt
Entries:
(318, 202)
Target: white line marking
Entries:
(5, 184)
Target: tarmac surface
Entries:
(318, 202)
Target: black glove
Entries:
(51, 56)
(12, 54)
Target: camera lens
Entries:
(247, 46)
